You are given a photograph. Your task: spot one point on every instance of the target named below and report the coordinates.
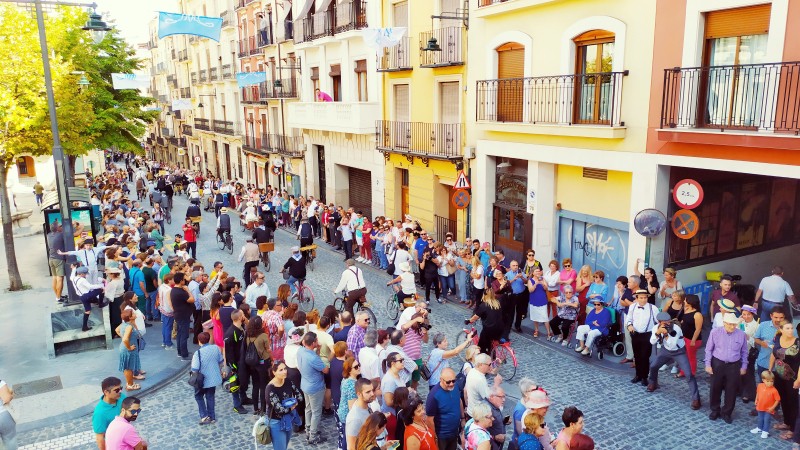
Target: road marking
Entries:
(64, 442)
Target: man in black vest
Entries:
(223, 223)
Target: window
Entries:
(336, 82)
(734, 95)
(510, 71)
(400, 14)
(593, 89)
(361, 79)
(22, 166)
(401, 103)
(449, 102)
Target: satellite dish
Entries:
(650, 222)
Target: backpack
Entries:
(251, 356)
(461, 381)
(261, 431)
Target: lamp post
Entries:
(98, 29)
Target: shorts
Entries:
(359, 240)
(56, 267)
(417, 375)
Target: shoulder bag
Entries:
(196, 378)
(390, 269)
(426, 372)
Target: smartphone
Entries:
(393, 445)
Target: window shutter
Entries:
(315, 73)
(738, 22)
(401, 108)
(511, 61)
(361, 65)
(449, 102)
(401, 14)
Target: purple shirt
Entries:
(355, 339)
(727, 347)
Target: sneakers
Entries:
(663, 368)
(239, 410)
(756, 430)
(317, 439)
(579, 348)
(585, 351)
(565, 342)
(206, 421)
(764, 434)
(674, 370)
(558, 339)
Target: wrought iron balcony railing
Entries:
(396, 58)
(186, 130)
(747, 97)
(291, 146)
(588, 99)
(224, 127)
(213, 74)
(433, 140)
(227, 72)
(451, 40)
(203, 75)
(202, 124)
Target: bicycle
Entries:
(225, 241)
(311, 252)
(168, 215)
(504, 359)
(303, 296)
(341, 301)
(265, 248)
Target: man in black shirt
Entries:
(261, 233)
(233, 349)
(183, 305)
(296, 265)
(346, 321)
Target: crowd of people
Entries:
(295, 368)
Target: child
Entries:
(767, 399)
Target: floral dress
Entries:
(475, 435)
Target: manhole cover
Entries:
(37, 387)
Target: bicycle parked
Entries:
(504, 359)
(341, 301)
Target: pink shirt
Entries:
(121, 435)
(567, 274)
(323, 97)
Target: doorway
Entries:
(512, 228)
(321, 173)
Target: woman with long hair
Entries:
(491, 318)
(284, 291)
(351, 370)
(391, 380)
(585, 279)
(648, 281)
(374, 426)
(279, 393)
(254, 335)
(288, 315)
(128, 349)
(216, 323)
(478, 282)
(130, 302)
(786, 349)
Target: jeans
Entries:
(166, 330)
(764, 420)
(314, 411)
(448, 282)
(205, 402)
(382, 257)
(665, 356)
(348, 249)
(183, 336)
(258, 376)
(448, 443)
(8, 430)
(292, 280)
(151, 312)
(191, 248)
(280, 438)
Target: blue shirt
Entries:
(206, 360)
(597, 288)
(105, 413)
(766, 332)
(444, 407)
(603, 319)
(341, 335)
(518, 285)
(420, 245)
(310, 366)
(516, 416)
(137, 276)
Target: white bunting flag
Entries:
(130, 80)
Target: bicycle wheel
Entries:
(373, 321)
(460, 338)
(221, 242)
(338, 303)
(311, 263)
(229, 243)
(169, 217)
(265, 258)
(393, 308)
(503, 360)
(308, 299)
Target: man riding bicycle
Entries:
(262, 234)
(306, 234)
(223, 223)
(296, 265)
(352, 280)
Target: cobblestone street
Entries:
(618, 415)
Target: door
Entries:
(512, 231)
(360, 192)
(227, 150)
(321, 173)
(510, 83)
(403, 192)
(400, 134)
(601, 247)
(593, 92)
(447, 138)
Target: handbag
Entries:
(141, 344)
(196, 378)
(426, 372)
(390, 269)
(784, 371)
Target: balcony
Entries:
(202, 124)
(243, 49)
(253, 46)
(351, 15)
(322, 23)
(185, 92)
(265, 37)
(729, 104)
(227, 19)
(290, 146)
(224, 127)
(173, 54)
(250, 95)
(586, 105)
(356, 118)
(213, 74)
(186, 130)
(152, 44)
(396, 58)
(451, 40)
(161, 141)
(183, 55)
(339, 18)
(172, 81)
(203, 76)
(193, 77)
(281, 88)
(426, 140)
(227, 72)
(256, 144)
(178, 114)
(178, 142)
(240, 4)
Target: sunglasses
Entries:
(567, 265)
(399, 360)
(449, 382)
(135, 412)
(531, 254)
(117, 389)
(356, 366)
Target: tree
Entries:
(92, 117)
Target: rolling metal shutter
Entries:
(449, 102)
(360, 194)
(400, 13)
(511, 61)
(746, 21)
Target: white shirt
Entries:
(407, 284)
(442, 270)
(352, 279)
(774, 289)
(552, 280)
(370, 363)
(253, 292)
(480, 282)
(406, 315)
(641, 317)
(476, 387)
(671, 343)
(400, 256)
(82, 285)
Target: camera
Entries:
(429, 310)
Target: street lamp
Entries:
(97, 27)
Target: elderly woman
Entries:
(475, 432)
(567, 312)
(440, 354)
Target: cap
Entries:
(663, 316)
(295, 249)
(82, 270)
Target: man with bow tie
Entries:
(639, 322)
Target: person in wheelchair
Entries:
(223, 223)
(598, 323)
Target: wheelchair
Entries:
(614, 342)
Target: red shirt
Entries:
(766, 397)
(188, 234)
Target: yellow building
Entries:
(422, 131)
(560, 128)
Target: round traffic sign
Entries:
(196, 159)
(685, 224)
(276, 169)
(687, 193)
(460, 199)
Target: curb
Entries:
(28, 234)
(87, 410)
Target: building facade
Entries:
(339, 102)
(422, 131)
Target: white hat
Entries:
(730, 318)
